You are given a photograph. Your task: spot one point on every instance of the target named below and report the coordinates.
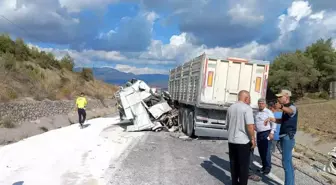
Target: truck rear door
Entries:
(214, 81)
(223, 79)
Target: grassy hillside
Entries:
(28, 72)
(318, 118)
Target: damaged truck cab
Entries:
(206, 86)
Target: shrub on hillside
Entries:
(6, 44)
(8, 62)
(11, 94)
(324, 95)
(48, 61)
(87, 74)
(21, 50)
(6, 122)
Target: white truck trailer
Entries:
(206, 86)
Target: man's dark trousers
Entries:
(264, 148)
(81, 116)
(239, 162)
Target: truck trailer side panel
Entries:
(184, 81)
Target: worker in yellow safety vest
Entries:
(81, 104)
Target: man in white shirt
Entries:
(265, 127)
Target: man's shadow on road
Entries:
(85, 125)
(215, 166)
(217, 170)
(18, 183)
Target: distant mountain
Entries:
(113, 76)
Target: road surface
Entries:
(159, 158)
(103, 154)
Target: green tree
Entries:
(67, 62)
(324, 57)
(294, 71)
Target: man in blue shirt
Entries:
(276, 138)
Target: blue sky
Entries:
(151, 36)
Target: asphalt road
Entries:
(163, 158)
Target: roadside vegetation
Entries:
(28, 72)
(308, 74)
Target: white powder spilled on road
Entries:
(65, 156)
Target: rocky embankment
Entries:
(25, 118)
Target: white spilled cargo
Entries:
(330, 167)
(144, 107)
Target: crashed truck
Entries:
(204, 88)
(146, 108)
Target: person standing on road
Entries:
(287, 133)
(241, 137)
(81, 104)
(276, 139)
(265, 127)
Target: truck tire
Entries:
(180, 120)
(185, 113)
(190, 124)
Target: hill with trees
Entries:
(305, 73)
(28, 72)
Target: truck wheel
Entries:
(190, 124)
(185, 113)
(180, 120)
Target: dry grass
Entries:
(6, 122)
(319, 119)
(30, 80)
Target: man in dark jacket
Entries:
(287, 133)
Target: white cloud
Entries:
(84, 57)
(152, 16)
(132, 34)
(78, 5)
(141, 70)
(299, 10)
(245, 15)
(302, 26)
(42, 21)
(296, 12)
(181, 50)
(317, 16)
(298, 27)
